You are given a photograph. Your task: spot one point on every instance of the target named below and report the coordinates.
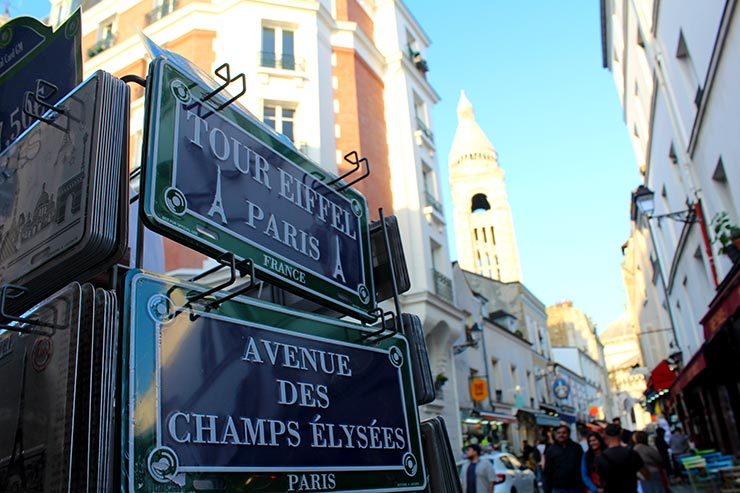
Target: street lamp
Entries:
(470, 341)
(643, 201)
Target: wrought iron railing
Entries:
(432, 201)
(424, 129)
(286, 61)
(161, 10)
(442, 285)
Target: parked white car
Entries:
(511, 475)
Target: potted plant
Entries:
(727, 235)
(440, 380)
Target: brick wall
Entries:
(361, 120)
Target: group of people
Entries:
(615, 460)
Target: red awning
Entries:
(662, 377)
(724, 305)
(695, 366)
(503, 418)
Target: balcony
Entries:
(419, 62)
(422, 127)
(442, 285)
(101, 46)
(269, 59)
(160, 11)
(431, 201)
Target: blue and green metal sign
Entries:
(30, 50)
(561, 388)
(221, 181)
(250, 396)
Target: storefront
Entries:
(707, 391)
(489, 429)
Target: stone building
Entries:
(675, 68)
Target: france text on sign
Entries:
(220, 181)
(29, 51)
(259, 397)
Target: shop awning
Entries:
(693, 368)
(724, 305)
(568, 418)
(662, 377)
(503, 418)
(544, 419)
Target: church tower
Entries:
(484, 229)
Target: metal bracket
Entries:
(224, 73)
(239, 269)
(354, 159)
(44, 90)
(133, 78)
(13, 291)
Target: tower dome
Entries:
(484, 228)
(470, 141)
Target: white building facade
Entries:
(675, 66)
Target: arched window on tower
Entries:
(479, 203)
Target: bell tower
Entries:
(484, 229)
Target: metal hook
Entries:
(224, 73)
(359, 178)
(12, 291)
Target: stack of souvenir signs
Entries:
(63, 192)
(56, 382)
(219, 181)
(423, 380)
(440, 460)
(249, 396)
(381, 259)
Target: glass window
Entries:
(268, 47)
(278, 48)
(514, 462)
(287, 57)
(279, 118)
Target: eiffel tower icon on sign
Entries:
(217, 207)
(15, 474)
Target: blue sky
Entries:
(34, 8)
(533, 73)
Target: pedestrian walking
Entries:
(589, 474)
(562, 472)
(655, 481)
(679, 446)
(624, 434)
(527, 450)
(618, 465)
(477, 475)
(662, 447)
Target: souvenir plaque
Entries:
(58, 402)
(413, 330)
(29, 51)
(443, 476)
(219, 180)
(63, 191)
(249, 396)
(37, 399)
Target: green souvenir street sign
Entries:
(249, 396)
(218, 181)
